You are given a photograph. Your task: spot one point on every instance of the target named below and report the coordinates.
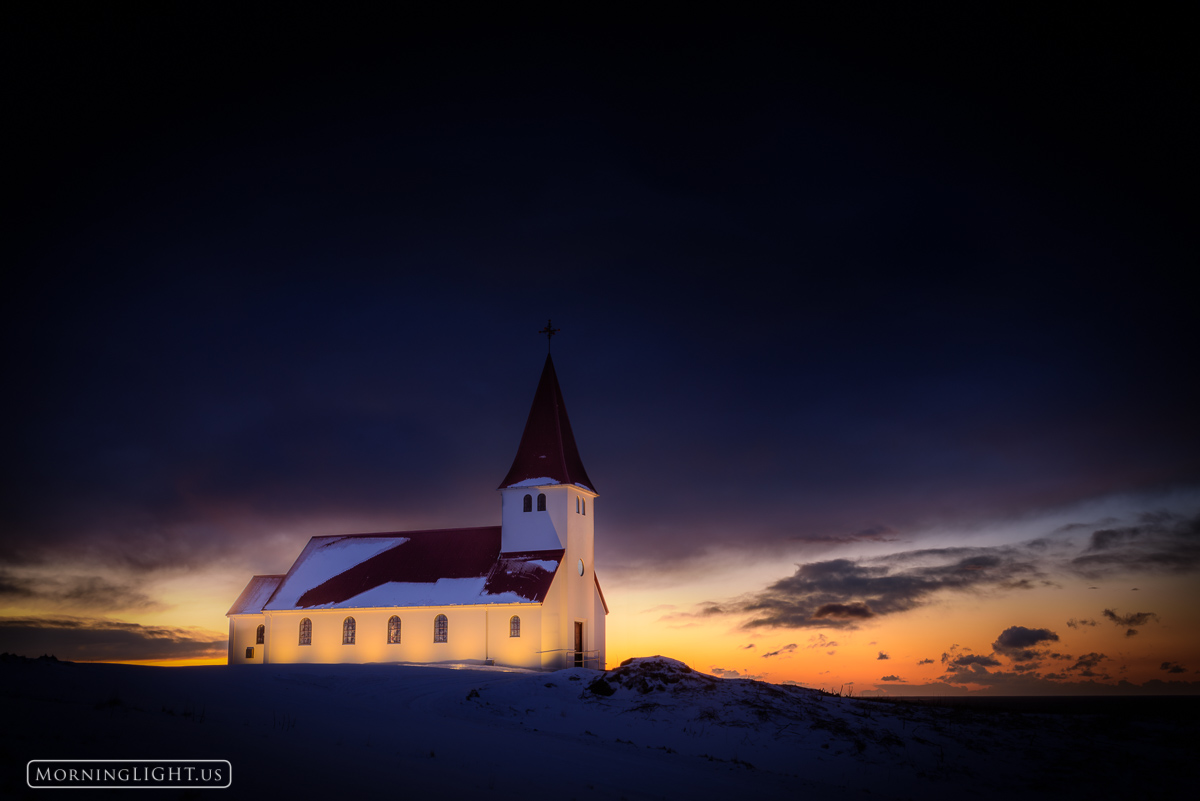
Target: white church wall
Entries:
(520, 651)
(598, 633)
(534, 530)
(570, 599)
(579, 588)
(553, 624)
(465, 635)
(243, 632)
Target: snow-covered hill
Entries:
(651, 729)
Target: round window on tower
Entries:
(581, 567)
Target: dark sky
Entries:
(815, 277)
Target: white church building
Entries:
(523, 593)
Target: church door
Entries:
(578, 643)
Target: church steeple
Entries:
(547, 453)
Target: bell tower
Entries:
(548, 504)
(547, 499)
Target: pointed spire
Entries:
(547, 453)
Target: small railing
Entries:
(573, 658)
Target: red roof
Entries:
(423, 557)
(547, 449)
(404, 568)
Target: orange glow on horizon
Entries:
(196, 662)
(915, 641)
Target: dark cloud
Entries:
(748, 647)
(891, 678)
(1086, 664)
(95, 639)
(1016, 637)
(972, 669)
(94, 593)
(1132, 619)
(1107, 539)
(1016, 642)
(925, 662)
(785, 649)
(1024, 584)
(1024, 681)
(869, 534)
(968, 660)
(706, 610)
(1088, 661)
(1173, 667)
(1022, 678)
(733, 674)
(1131, 632)
(844, 611)
(1070, 527)
(882, 655)
(840, 593)
(1161, 543)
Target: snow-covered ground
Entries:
(653, 729)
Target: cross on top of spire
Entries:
(549, 332)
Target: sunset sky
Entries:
(875, 336)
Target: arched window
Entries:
(393, 630)
(576, 505)
(306, 632)
(541, 501)
(528, 503)
(260, 636)
(348, 631)
(441, 627)
(585, 506)
(514, 626)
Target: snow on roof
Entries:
(541, 481)
(255, 596)
(438, 567)
(523, 575)
(324, 558)
(443, 592)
